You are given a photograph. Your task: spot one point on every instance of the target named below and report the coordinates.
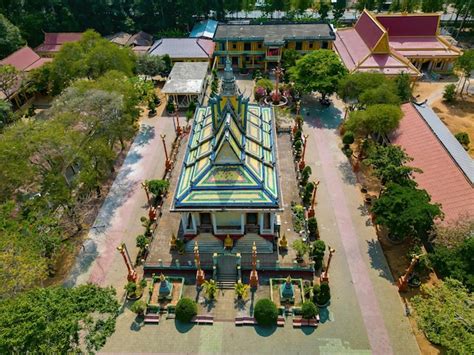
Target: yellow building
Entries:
(261, 46)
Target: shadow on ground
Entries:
(183, 327)
(265, 331)
(376, 255)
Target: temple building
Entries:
(395, 43)
(261, 46)
(229, 181)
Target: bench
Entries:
(203, 320)
(300, 322)
(281, 321)
(152, 318)
(245, 321)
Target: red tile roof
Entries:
(410, 25)
(368, 29)
(54, 41)
(442, 177)
(24, 59)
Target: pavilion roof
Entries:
(231, 160)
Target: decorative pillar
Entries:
(253, 273)
(403, 280)
(295, 127)
(325, 274)
(168, 162)
(199, 273)
(302, 162)
(313, 200)
(176, 113)
(151, 209)
(276, 94)
(132, 274)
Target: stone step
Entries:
(226, 285)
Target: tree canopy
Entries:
(406, 212)
(57, 320)
(10, 37)
(445, 313)
(389, 162)
(318, 71)
(379, 119)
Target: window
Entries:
(324, 45)
(299, 46)
(189, 224)
(205, 218)
(259, 46)
(311, 45)
(252, 218)
(234, 45)
(247, 46)
(267, 217)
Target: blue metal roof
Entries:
(455, 149)
(204, 29)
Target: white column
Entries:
(242, 223)
(214, 227)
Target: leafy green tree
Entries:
(266, 312)
(365, 4)
(6, 113)
(402, 81)
(383, 94)
(150, 65)
(352, 86)
(158, 187)
(465, 64)
(453, 233)
(338, 9)
(318, 71)
(449, 93)
(309, 310)
(186, 309)
(455, 262)
(58, 320)
(10, 37)
(463, 138)
(406, 212)
(376, 119)
(404, 5)
(389, 162)
(9, 77)
(300, 247)
(444, 313)
(317, 253)
(432, 5)
(91, 57)
(324, 6)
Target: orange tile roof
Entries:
(442, 177)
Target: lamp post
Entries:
(302, 162)
(253, 273)
(132, 274)
(168, 161)
(200, 272)
(313, 200)
(178, 127)
(325, 274)
(403, 280)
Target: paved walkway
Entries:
(119, 217)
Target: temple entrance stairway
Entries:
(209, 244)
(226, 271)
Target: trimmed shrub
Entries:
(266, 312)
(321, 293)
(449, 93)
(307, 194)
(305, 174)
(313, 227)
(348, 138)
(463, 138)
(317, 253)
(186, 309)
(309, 310)
(138, 307)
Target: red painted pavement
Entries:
(373, 320)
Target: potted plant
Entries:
(170, 107)
(241, 290)
(210, 287)
(138, 307)
(313, 227)
(321, 294)
(301, 248)
(307, 288)
(308, 193)
(297, 146)
(180, 246)
(132, 291)
(317, 253)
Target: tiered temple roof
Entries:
(231, 160)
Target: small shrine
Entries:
(287, 291)
(166, 288)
